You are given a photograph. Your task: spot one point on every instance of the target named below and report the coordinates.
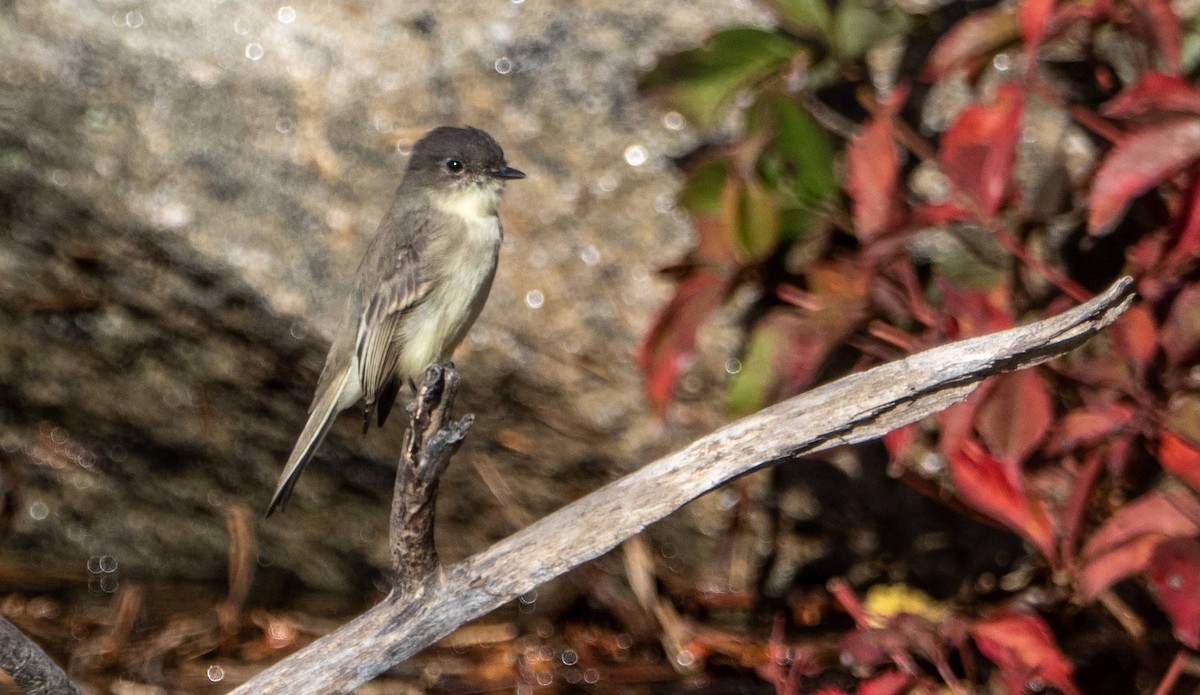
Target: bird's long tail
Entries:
(324, 411)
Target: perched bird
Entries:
(420, 285)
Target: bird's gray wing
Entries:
(404, 285)
(390, 281)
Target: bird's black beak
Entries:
(507, 173)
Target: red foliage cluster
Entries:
(1094, 462)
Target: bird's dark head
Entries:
(449, 159)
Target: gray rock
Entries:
(185, 189)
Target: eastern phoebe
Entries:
(420, 285)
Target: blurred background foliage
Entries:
(877, 178)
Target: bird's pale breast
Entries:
(464, 277)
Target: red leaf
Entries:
(1073, 508)
(1180, 334)
(955, 422)
(1087, 426)
(1116, 459)
(978, 150)
(1091, 12)
(1175, 578)
(988, 486)
(941, 213)
(969, 42)
(1138, 163)
(836, 307)
(873, 170)
(669, 344)
(1135, 335)
(1116, 564)
(1032, 17)
(863, 647)
(899, 440)
(1168, 514)
(886, 683)
(1142, 260)
(1025, 650)
(976, 311)
(1123, 545)
(1015, 416)
(1187, 241)
(1154, 94)
(1162, 29)
(1180, 458)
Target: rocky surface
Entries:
(185, 189)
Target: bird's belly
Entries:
(439, 323)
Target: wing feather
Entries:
(379, 343)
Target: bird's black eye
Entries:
(454, 166)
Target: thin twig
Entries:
(1172, 675)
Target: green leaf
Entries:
(796, 225)
(807, 18)
(859, 26)
(749, 386)
(701, 194)
(796, 165)
(752, 215)
(1191, 51)
(805, 157)
(699, 82)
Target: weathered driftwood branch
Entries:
(854, 409)
(31, 668)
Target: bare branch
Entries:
(857, 408)
(429, 443)
(30, 667)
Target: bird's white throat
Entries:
(474, 204)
